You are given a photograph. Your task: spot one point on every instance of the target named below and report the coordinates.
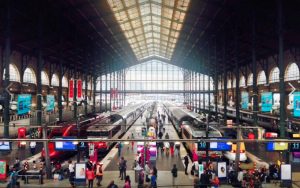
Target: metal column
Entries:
(225, 82)
(7, 53)
(254, 71)
(106, 108)
(281, 70)
(100, 94)
(94, 93)
(59, 98)
(75, 96)
(85, 94)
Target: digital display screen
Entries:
(201, 146)
(66, 146)
(296, 104)
(50, 102)
(219, 146)
(4, 146)
(295, 147)
(276, 146)
(245, 100)
(267, 101)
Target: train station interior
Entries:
(149, 93)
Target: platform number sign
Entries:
(202, 146)
(295, 147)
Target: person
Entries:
(13, 178)
(153, 181)
(141, 178)
(99, 173)
(122, 167)
(90, 175)
(186, 163)
(34, 165)
(172, 148)
(215, 182)
(112, 185)
(240, 176)
(160, 135)
(154, 171)
(132, 143)
(147, 171)
(17, 164)
(177, 148)
(127, 182)
(204, 180)
(71, 173)
(174, 173)
(167, 136)
(120, 149)
(32, 146)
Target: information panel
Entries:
(4, 146)
(50, 102)
(276, 146)
(219, 146)
(201, 146)
(296, 104)
(245, 100)
(286, 172)
(65, 146)
(24, 104)
(267, 101)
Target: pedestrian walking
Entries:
(186, 163)
(120, 145)
(174, 173)
(122, 167)
(32, 146)
(99, 173)
(13, 178)
(153, 181)
(90, 177)
(127, 182)
(147, 171)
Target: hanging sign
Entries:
(79, 89)
(24, 104)
(267, 101)
(245, 100)
(71, 90)
(50, 102)
(296, 104)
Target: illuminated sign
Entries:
(267, 101)
(71, 89)
(65, 146)
(201, 146)
(219, 146)
(4, 146)
(276, 146)
(271, 135)
(79, 88)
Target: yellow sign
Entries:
(296, 135)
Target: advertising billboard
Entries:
(24, 104)
(276, 146)
(4, 146)
(71, 90)
(245, 100)
(79, 89)
(296, 104)
(2, 170)
(266, 101)
(50, 102)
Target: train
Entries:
(191, 125)
(119, 122)
(69, 129)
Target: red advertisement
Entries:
(79, 88)
(71, 89)
(2, 170)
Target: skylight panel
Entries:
(151, 26)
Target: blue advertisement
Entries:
(65, 146)
(24, 104)
(296, 104)
(266, 101)
(50, 102)
(245, 100)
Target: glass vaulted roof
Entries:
(151, 26)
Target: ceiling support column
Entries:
(7, 54)
(225, 82)
(75, 95)
(237, 77)
(100, 94)
(281, 70)
(106, 105)
(199, 95)
(216, 79)
(86, 94)
(59, 98)
(94, 93)
(254, 71)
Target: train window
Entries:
(186, 134)
(98, 133)
(116, 130)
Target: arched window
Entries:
(45, 78)
(242, 81)
(64, 82)
(234, 83)
(261, 78)
(14, 74)
(291, 72)
(83, 84)
(229, 83)
(250, 80)
(55, 80)
(29, 76)
(274, 75)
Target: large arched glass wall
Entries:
(45, 78)
(29, 76)
(274, 75)
(154, 75)
(14, 74)
(291, 72)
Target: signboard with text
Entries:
(71, 90)
(266, 101)
(245, 100)
(24, 104)
(276, 146)
(50, 102)
(79, 89)
(2, 170)
(65, 146)
(296, 104)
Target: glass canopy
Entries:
(151, 26)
